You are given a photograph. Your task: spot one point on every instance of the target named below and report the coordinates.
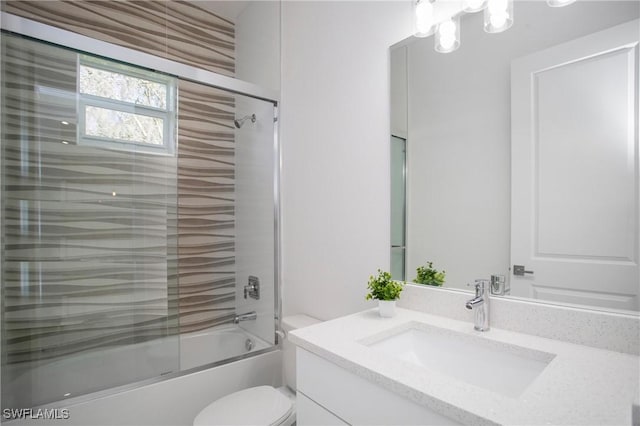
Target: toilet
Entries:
(261, 405)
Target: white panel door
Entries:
(575, 187)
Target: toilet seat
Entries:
(260, 405)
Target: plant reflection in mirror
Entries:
(429, 276)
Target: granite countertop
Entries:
(580, 385)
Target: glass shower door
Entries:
(227, 244)
(256, 173)
(88, 225)
(139, 224)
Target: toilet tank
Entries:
(290, 323)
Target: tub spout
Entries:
(245, 317)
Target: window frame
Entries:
(169, 115)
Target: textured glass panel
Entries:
(125, 126)
(89, 253)
(122, 87)
(90, 259)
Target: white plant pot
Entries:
(387, 308)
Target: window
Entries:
(122, 107)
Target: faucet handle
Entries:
(499, 285)
(481, 286)
(476, 284)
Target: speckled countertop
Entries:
(580, 386)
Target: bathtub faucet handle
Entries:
(252, 289)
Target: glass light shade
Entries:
(471, 6)
(423, 18)
(448, 35)
(498, 15)
(559, 3)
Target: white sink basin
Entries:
(499, 367)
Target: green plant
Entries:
(382, 287)
(429, 276)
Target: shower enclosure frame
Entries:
(13, 24)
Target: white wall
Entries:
(335, 140)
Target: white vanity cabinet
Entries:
(309, 413)
(331, 395)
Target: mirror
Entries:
(521, 148)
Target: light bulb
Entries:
(498, 15)
(447, 42)
(473, 5)
(559, 3)
(448, 36)
(423, 18)
(448, 28)
(497, 6)
(498, 20)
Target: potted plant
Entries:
(428, 275)
(385, 291)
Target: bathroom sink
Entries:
(495, 366)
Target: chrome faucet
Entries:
(245, 317)
(480, 305)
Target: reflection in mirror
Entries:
(398, 203)
(522, 150)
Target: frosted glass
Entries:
(89, 243)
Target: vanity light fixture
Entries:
(423, 18)
(498, 15)
(559, 3)
(448, 35)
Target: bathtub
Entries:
(206, 347)
(174, 401)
